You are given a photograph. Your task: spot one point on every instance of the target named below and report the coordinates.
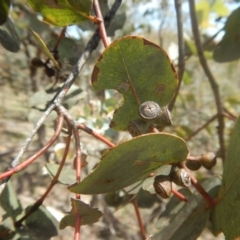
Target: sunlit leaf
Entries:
(4, 9)
(88, 215)
(226, 215)
(187, 220)
(132, 161)
(44, 48)
(203, 11)
(220, 8)
(138, 69)
(62, 12)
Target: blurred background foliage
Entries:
(26, 89)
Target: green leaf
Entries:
(228, 49)
(132, 161)
(10, 202)
(88, 215)
(226, 215)
(138, 69)
(67, 175)
(9, 37)
(187, 220)
(4, 9)
(41, 224)
(44, 48)
(63, 13)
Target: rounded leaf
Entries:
(140, 70)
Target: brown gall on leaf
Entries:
(95, 74)
(160, 88)
(123, 86)
(108, 180)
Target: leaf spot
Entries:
(160, 88)
(123, 86)
(95, 74)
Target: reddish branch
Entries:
(102, 29)
(36, 155)
(209, 75)
(54, 181)
(139, 218)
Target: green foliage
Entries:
(132, 161)
(226, 215)
(88, 215)
(138, 69)
(62, 13)
(4, 9)
(228, 49)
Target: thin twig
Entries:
(102, 29)
(209, 75)
(179, 195)
(201, 128)
(181, 51)
(95, 134)
(36, 155)
(140, 221)
(50, 187)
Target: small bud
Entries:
(193, 165)
(163, 186)
(208, 160)
(181, 178)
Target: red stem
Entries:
(102, 29)
(38, 154)
(139, 218)
(179, 195)
(54, 181)
(95, 134)
(211, 202)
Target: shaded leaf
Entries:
(41, 224)
(188, 221)
(132, 161)
(67, 50)
(10, 203)
(63, 13)
(138, 69)
(9, 37)
(44, 48)
(88, 215)
(228, 49)
(226, 215)
(4, 9)
(67, 175)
